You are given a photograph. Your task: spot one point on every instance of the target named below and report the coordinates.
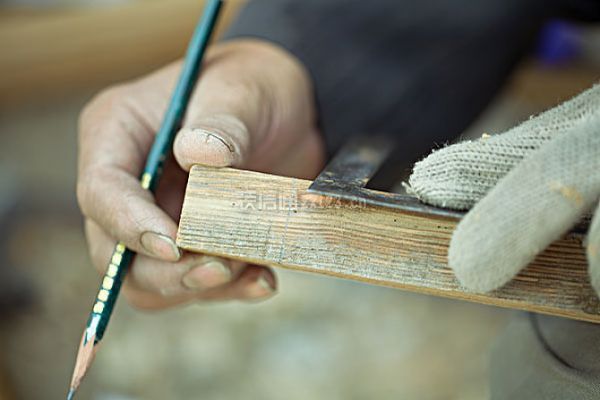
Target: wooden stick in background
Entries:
(272, 220)
(53, 52)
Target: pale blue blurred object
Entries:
(559, 43)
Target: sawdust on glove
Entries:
(527, 187)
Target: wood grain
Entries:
(272, 220)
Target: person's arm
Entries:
(419, 69)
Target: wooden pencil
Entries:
(122, 257)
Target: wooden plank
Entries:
(272, 220)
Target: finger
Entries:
(167, 279)
(255, 283)
(150, 301)
(118, 126)
(532, 206)
(458, 176)
(153, 284)
(593, 250)
(116, 131)
(171, 189)
(239, 104)
(115, 200)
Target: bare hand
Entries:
(252, 108)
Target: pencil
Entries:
(122, 257)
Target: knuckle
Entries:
(83, 194)
(253, 89)
(87, 191)
(124, 220)
(108, 98)
(95, 201)
(119, 219)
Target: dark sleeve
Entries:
(421, 70)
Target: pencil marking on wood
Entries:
(292, 195)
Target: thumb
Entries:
(217, 140)
(247, 91)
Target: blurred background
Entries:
(320, 338)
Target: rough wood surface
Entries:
(272, 220)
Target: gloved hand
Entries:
(527, 187)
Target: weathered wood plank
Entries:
(272, 220)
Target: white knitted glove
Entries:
(528, 186)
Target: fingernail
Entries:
(160, 246)
(205, 276)
(212, 135)
(261, 288)
(224, 152)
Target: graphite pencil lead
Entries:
(85, 356)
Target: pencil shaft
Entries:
(122, 257)
(109, 291)
(181, 95)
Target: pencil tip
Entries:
(85, 356)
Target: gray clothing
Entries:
(550, 358)
(420, 70)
